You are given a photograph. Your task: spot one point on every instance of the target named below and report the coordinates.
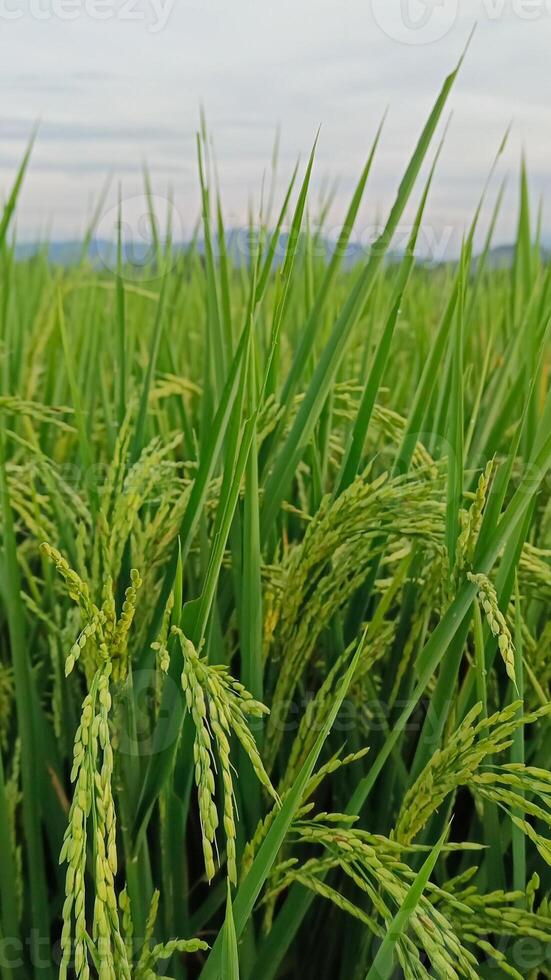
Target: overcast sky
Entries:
(122, 81)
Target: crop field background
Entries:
(275, 572)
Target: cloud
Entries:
(111, 94)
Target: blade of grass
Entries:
(9, 925)
(85, 445)
(455, 426)
(284, 278)
(138, 439)
(351, 460)
(490, 815)
(291, 450)
(31, 756)
(517, 751)
(383, 964)
(121, 321)
(220, 348)
(9, 206)
(230, 955)
(153, 220)
(250, 611)
(268, 258)
(311, 328)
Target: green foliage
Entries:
(275, 572)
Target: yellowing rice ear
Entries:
(218, 705)
(496, 621)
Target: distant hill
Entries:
(102, 252)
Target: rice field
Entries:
(275, 654)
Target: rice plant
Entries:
(275, 659)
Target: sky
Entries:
(114, 83)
